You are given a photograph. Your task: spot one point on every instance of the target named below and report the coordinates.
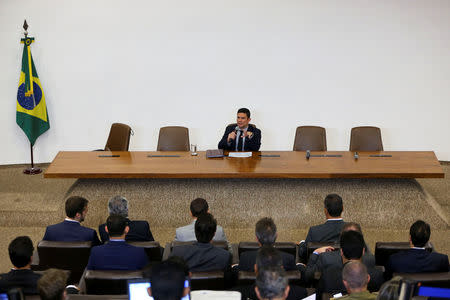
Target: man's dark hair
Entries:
(20, 251)
(74, 205)
(205, 228)
(352, 244)
(52, 284)
(167, 281)
(244, 111)
(351, 225)
(271, 282)
(266, 231)
(199, 206)
(180, 262)
(116, 225)
(333, 204)
(268, 256)
(420, 233)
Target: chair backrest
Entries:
(210, 280)
(312, 246)
(94, 297)
(219, 244)
(71, 256)
(152, 249)
(173, 138)
(312, 138)
(366, 138)
(247, 278)
(385, 249)
(435, 279)
(109, 282)
(287, 247)
(119, 137)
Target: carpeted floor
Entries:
(385, 208)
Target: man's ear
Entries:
(286, 291)
(368, 278)
(127, 228)
(106, 229)
(257, 292)
(149, 291)
(345, 284)
(255, 268)
(186, 291)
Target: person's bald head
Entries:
(355, 276)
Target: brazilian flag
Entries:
(31, 113)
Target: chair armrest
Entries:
(167, 251)
(235, 253)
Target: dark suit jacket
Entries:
(139, 231)
(24, 279)
(203, 257)
(326, 232)
(251, 144)
(247, 261)
(68, 231)
(416, 261)
(248, 292)
(117, 255)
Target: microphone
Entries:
(308, 154)
(356, 156)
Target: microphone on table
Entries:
(356, 156)
(308, 154)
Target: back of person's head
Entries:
(74, 205)
(420, 233)
(205, 228)
(348, 226)
(244, 111)
(180, 262)
(333, 205)
(52, 284)
(198, 207)
(118, 205)
(268, 256)
(266, 231)
(352, 244)
(20, 251)
(390, 290)
(355, 276)
(271, 282)
(116, 225)
(167, 281)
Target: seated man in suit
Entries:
(355, 279)
(272, 284)
(202, 255)
(21, 276)
(330, 230)
(52, 285)
(325, 257)
(266, 235)
(187, 233)
(139, 230)
(241, 136)
(117, 254)
(70, 230)
(352, 249)
(417, 259)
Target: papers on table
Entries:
(240, 154)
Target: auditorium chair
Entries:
(247, 278)
(210, 280)
(72, 256)
(366, 138)
(113, 282)
(152, 249)
(385, 249)
(435, 279)
(95, 297)
(173, 138)
(312, 138)
(169, 246)
(287, 247)
(119, 137)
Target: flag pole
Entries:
(32, 170)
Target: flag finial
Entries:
(25, 26)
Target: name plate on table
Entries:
(240, 154)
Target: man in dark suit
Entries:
(21, 276)
(139, 230)
(202, 255)
(266, 234)
(330, 230)
(117, 254)
(241, 136)
(70, 230)
(352, 249)
(417, 259)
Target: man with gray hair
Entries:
(139, 230)
(356, 278)
(271, 284)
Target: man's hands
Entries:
(323, 249)
(232, 135)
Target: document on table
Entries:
(240, 154)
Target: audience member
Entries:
(271, 284)
(52, 285)
(330, 230)
(187, 233)
(355, 279)
(21, 276)
(117, 254)
(417, 259)
(70, 230)
(139, 230)
(266, 234)
(268, 256)
(202, 255)
(167, 281)
(390, 290)
(325, 257)
(352, 249)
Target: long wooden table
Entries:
(266, 164)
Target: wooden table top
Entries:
(266, 164)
